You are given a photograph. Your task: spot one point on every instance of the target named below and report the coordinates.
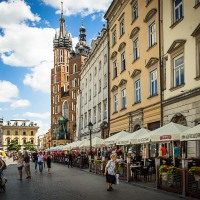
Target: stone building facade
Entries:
(22, 131)
(181, 63)
(134, 65)
(93, 93)
(75, 64)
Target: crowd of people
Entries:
(23, 159)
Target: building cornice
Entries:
(185, 95)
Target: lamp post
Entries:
(49, 141)
(90, 126)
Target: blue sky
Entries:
(27, 29)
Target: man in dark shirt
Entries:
(35, 159)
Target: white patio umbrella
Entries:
(132, 137)
(168, 132)
(114, 138)
(79, 143)
(191, 134)
(96, 142)
(69, 146)
(60, 148)
(142, 137)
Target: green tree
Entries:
(29, 146)
(13, 146)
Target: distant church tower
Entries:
(75, 63)
(62, 46)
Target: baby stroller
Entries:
(3, 181)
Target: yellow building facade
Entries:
(134, 65)
(22, 131)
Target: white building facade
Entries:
(92, 100)
(181, 66)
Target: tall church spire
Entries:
(63, 39)
(62, 23)
(82, 46)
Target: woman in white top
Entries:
(110, 172)
(40, 161)
(20, 160)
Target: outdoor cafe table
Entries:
(134, 169)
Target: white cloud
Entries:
(39, 78)
(85, 7)
(8, 91)
(15, 12)
(1, 108)
(21, 103)
(37, 115)
(43, 127)
(75, 40)
(31, 45)
(93, 17)
(28, 47)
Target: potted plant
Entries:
(195, 170)
(166, 172)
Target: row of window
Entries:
(60, 55)
(97, 110)
(151, 31)
(178, 72)
(17, 140)
(105, 82)
(56, 99)
(95, 90)
(152, 41)
(137, 92)
(8, 132)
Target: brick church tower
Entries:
(65, 83)
(62, 46)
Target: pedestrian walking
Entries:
(3, 179)
(2, 166)
(27, 165)
(110, 172)
(20, 165)
(44, 158)
(48, 162)
(35, 159)
(70, 159)
(40, 161)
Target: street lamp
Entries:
(49, 141)
(90, 126)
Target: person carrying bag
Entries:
(110, 172)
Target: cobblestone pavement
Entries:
(71, 184)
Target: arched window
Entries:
(137, 127)
(55, 79)
(67, 68)
(65, 110)
(75, 68)
(75, 82)
(61, 55)
(24, 140)
(32, 140)
(8, 141)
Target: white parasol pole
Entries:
(173, 152)
(144, 151)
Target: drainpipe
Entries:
(108, 78)
(160, 64)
